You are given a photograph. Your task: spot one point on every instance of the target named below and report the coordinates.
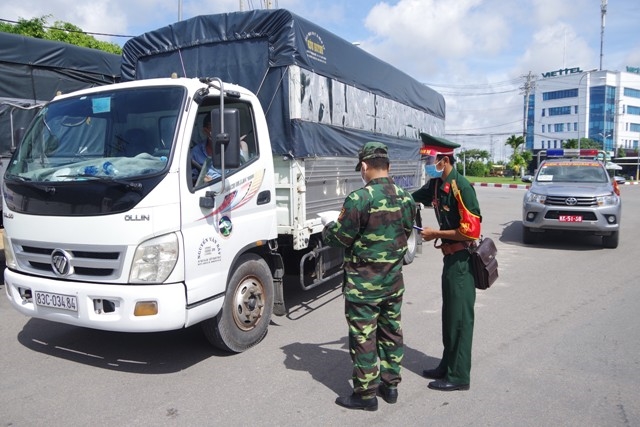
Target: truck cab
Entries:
(106, 228)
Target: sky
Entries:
(476, 53)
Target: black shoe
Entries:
(388, 393)
(434, 374)
(355, 401)
(443, 385)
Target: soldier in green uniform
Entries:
(373, 227)
(458, 213)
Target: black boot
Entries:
(388, 393)
(356, 401)
(434, 374)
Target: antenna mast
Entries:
(603, 12)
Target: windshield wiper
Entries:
(110, 179)
(27, 181)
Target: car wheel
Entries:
(611, 241)
(528, 236)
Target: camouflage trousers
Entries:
(375, 333)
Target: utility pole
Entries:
(603, 12)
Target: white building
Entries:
(603, 106)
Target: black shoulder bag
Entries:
(483, 262)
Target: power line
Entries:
(489, 127)
(509, 82)
(477, 93)
(73, 31)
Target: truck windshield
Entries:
(122, 134)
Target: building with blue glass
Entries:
(567, 104)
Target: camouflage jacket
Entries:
(373, 227)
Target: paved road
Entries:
(556, 343)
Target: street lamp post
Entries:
(585, 97)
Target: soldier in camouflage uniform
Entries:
(457, 210)
(373, 227)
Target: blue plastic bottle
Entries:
(88, 171)
(108, 168)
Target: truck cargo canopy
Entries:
(258, 50)
(33, 70)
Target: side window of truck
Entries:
(202, 173)
(248, 142)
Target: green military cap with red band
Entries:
(434, 145)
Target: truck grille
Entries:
(562, 201)
(88, 262)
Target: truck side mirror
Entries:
(227, 139)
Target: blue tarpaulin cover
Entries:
(337, 80)
(33, 70)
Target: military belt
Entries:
(452, 248)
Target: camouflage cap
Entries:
(371, 150)
(433, 145)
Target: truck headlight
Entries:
(535, 198)
(608, 200)
(10, 258)
(154, 260)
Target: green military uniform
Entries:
(458, 285)
(373, 228)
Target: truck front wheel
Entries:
(246, 313)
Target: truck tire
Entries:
(248, 305)
(611, 241)
(412, 247)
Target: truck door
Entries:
(239, 214)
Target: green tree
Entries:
(60, 31)
(584, 143)
(475, 162)
(514, 142)
(520, 158)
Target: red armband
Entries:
(469, 222)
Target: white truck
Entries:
(108, 227)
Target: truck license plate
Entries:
(570, 218)
(65, 302)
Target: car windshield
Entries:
(122, 133)
(587, 172)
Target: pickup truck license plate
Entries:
(64, 302)
(570, 218)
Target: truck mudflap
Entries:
(279, 307)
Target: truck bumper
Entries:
(103, 306)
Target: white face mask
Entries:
(364, 180)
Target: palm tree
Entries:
(519, 158)
(514, 142)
